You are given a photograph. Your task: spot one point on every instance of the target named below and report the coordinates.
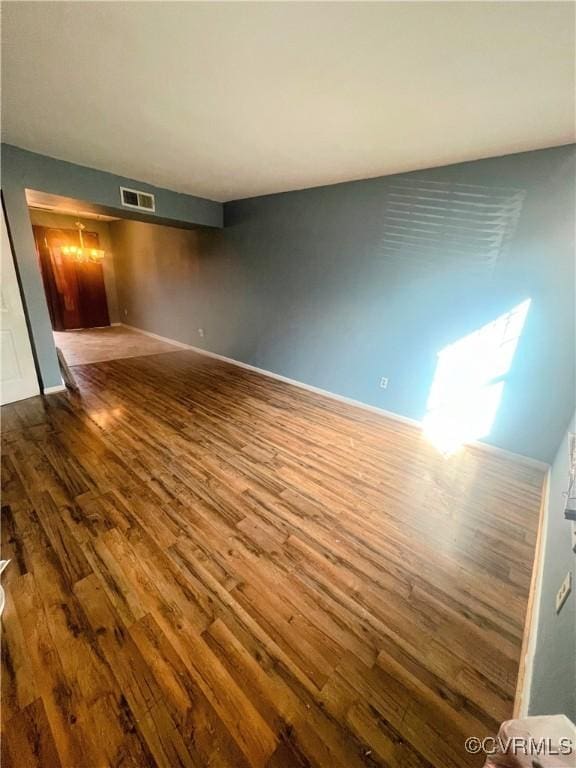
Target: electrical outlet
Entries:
(564, 591)
(201, 332)
(574, 536)
(383, 382)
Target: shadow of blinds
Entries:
(446, 224)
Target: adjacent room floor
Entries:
(213, 568)
(94, 345)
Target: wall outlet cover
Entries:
(383, 382)
(564, 591)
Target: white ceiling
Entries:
(231, 100)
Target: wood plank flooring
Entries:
(212, 568)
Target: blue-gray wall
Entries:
(553, 689)
(311, 293)
(302, 284)
(23, 170)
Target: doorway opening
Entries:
(75, 249)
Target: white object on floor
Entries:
(3, 564)
(544, 742)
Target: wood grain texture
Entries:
(212, 568)
(75, 291)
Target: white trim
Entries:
(138, 207)
(171, 341)
(544, 466)
(518, 457)
(523, 695)
(53, 390)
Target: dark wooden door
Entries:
(75, 291)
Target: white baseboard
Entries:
(53, 390)
(527, 460)
(279, 377)
(526, 670)
(169, 341)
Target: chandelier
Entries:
(82, 253)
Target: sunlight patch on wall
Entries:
(469, 382)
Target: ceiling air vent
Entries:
(132, 198)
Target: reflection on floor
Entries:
(95, 345)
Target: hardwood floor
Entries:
(212, 568)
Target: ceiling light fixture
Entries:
(81, 253)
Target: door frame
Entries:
(11, 256)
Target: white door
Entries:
(18, 378)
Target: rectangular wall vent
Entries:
(132, 198)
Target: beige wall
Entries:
(164, 279)
(61, 221)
